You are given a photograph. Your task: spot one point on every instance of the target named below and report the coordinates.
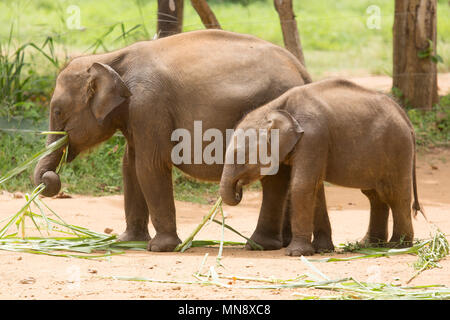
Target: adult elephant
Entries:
(149, 89)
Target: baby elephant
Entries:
(335, 131)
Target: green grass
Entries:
(333, 33)
(96, 173)
(189, 189)
(23, 92)
(433, 127)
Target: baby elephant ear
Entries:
(289, 131)
(106, 90)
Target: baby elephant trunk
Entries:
(231, 191)
(45, 170)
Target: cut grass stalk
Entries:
(85, 240)
(313, 268)
(13, 219)
(202, 264)
(349, 287)
(153, 280)
(252, 243)
(352, 289)
(219, 255)
(37, 156)
(429, 252)
(210, 243)
(378, 252)
(188, 242)
(254, 279)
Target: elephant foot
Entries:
(163, 242)
(322, 243)
(267, 242)
(300, 247)
(135, 236)
(373, 241)
(400, 242)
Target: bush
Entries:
(432, 127)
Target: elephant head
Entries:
(85, 104)
(278, 146)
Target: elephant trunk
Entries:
(231, 191)
(45, 170)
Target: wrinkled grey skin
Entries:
(149, 89)
(339, 132)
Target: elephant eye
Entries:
(57, 112)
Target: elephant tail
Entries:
(416, 205)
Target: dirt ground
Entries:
(384, 83)
(29, 276)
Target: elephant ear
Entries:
(106, 90)
(290, 131)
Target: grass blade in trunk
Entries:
(37, 156)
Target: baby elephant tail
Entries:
(416, 205)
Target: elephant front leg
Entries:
(302, 222)
(306, 186)
(322, 229)
(156, 185)
(136, 211)
(268, 231)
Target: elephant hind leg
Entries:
(268, 231)
(136, 211)
(400, 203)
(287, 231)
(377, 232)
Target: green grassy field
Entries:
(335, 37)
(334, 34)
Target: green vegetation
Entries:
(432, 127)
(334, 34)
(429, 252)
(95, 173)
(37, 41)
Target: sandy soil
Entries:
(29, 276)
(384, 83)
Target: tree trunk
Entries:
(291, 36)
(170, 17)
(414, 65)
(206, 14)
